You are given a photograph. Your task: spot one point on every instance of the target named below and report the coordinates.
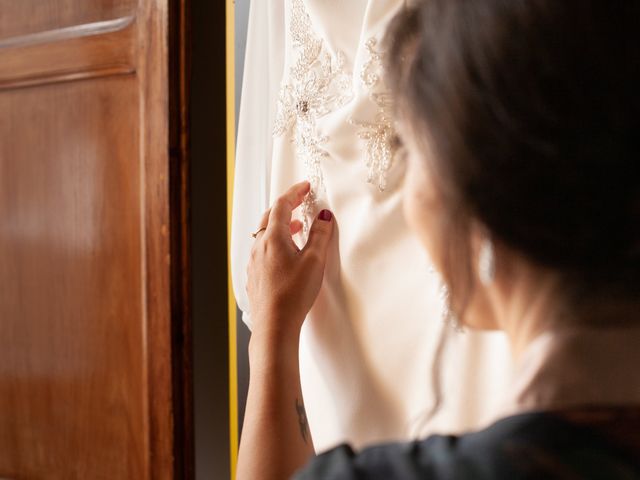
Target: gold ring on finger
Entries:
(255, 234)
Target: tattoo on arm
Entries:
(302, 420)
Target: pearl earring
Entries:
(487, 263)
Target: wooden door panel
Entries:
(71, 337)
(86, 333)
(23, 17)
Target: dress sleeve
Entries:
(431, 459)
(262, 76)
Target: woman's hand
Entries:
(284, 281)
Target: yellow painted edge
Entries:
(231, 141)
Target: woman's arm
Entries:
(282, 286)
(275, 436)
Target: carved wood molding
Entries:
(79, 52)
(67, 33)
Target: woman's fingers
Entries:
(264, 221)
(295, 226)
(319, 237)
(282, 209)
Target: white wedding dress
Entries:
(315, 106)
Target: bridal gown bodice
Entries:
(315, 106)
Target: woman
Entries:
(523, 185)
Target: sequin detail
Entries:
(380, 134)
(317, 85)
(370, 73)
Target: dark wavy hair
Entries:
(532, 111)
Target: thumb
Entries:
(320, 235)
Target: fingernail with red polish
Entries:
(325, 215)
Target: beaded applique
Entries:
(380, 134)
(317, 85)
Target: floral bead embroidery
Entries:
(380, 134)
(317, 85)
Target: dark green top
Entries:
(526, 446)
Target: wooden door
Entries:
(89, 387)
